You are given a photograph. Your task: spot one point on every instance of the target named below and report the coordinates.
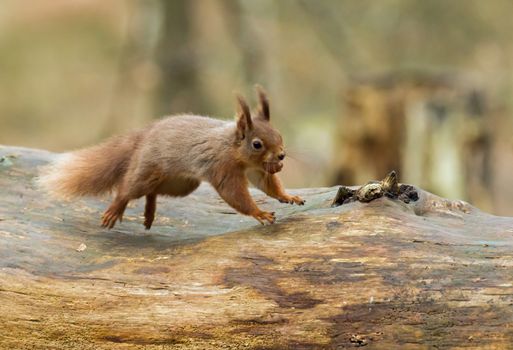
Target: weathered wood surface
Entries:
(388, 275)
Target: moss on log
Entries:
(386, 274)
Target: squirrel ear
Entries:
(263, 103)
(243, 116)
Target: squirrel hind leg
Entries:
(149, 210)
(114, 212)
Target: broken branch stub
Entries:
(388, 187)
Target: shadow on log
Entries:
(430, 273)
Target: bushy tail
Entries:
(90, 171)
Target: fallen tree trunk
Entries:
(387, 274)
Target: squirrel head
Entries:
(260, 145)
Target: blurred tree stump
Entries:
(433, 128)
(428, 274)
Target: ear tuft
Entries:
(243, 116)
(263, 103)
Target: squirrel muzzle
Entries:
(273, 167)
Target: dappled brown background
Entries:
(74, 72)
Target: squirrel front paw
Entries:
(292, 200)
(263, 216)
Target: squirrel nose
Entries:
(281, 156)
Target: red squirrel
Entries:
(172, 156)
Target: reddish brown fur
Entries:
(91, 171)
(173, 156)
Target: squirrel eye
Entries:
(257, 144)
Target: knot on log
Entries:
(388, 187)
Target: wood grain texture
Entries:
(430, 274)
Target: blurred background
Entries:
(358, 88)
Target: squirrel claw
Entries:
(293, 200)
(265, 216)
(148, 223)
(109, 220)
(114, 213)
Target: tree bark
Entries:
(429, 274)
